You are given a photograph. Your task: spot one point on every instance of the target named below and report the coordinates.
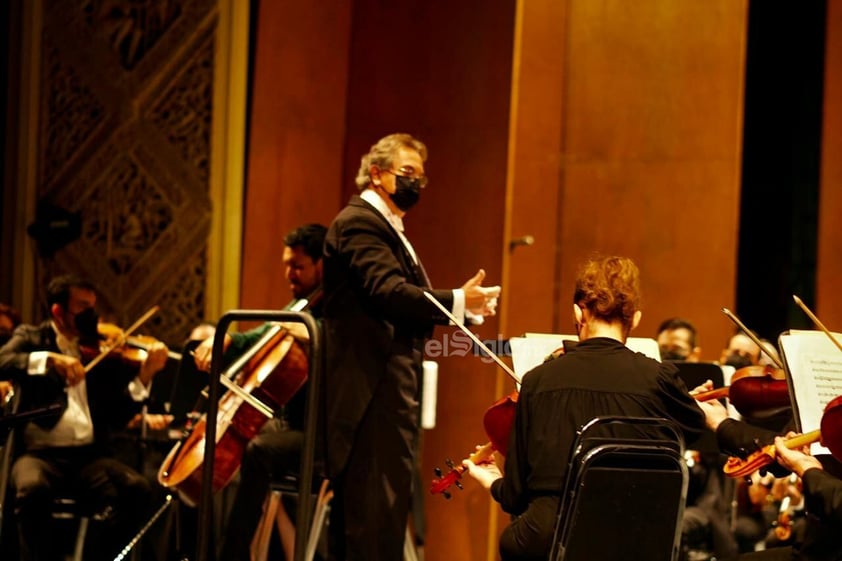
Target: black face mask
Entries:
(672, 354)
(86, 323)
(738, 361)
(407, 192)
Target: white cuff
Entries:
(138, 391)
(38, 363)
(475, 319)
(458, 310)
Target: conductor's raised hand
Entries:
(480, 300)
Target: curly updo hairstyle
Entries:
(609, 288)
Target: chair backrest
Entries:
(624, 494)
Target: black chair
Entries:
(65, 508)
(624, 494)
(7, 410)
(288, 485)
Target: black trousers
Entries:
(371, 499)
(529, 536)
(97, 483)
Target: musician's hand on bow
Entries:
(297, 330)
(705, 387)
(68, 367)
(714, 411)
(485, 473)
(156, 359)
(480, 300)
(154, 421)
(7, 392)
(203, 354)
(797, 461)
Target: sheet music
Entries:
(530, 350)
(815, 368)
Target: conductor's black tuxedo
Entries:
(376, 319)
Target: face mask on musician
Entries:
(407, 192)
(86, 323)
(738, 361)
(673, 354)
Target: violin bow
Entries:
(122, 339)
(750, 334)
(815, 320)
(473, 337)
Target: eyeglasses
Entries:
(409, 172)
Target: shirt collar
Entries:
(67, 345)
(374, 200)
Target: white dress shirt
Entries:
(75, 427)
(396, 222)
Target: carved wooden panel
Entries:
(124, 139)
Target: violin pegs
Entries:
(437, 472)
(459, 485)
(446, 494)
(449, 463)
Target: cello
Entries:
(265, 378)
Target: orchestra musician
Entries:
(277, 447)
(9, 320)
(599, 376)
(376, 321)
(677, 340)
(821, 487)
(67, 452)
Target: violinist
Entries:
(740, 351)
(9, 320)
(377, 320)
(277, 447)
(704, 527)
(68, 452)
(677, 340)
(600, 376)
(821, 487)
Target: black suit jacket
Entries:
(109, 400)
(376, 319)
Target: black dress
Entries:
(599, 377)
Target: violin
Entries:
(497, 421)
(755, 391)
(112, 342)
(830, 435)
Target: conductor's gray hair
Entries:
(383, 153)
